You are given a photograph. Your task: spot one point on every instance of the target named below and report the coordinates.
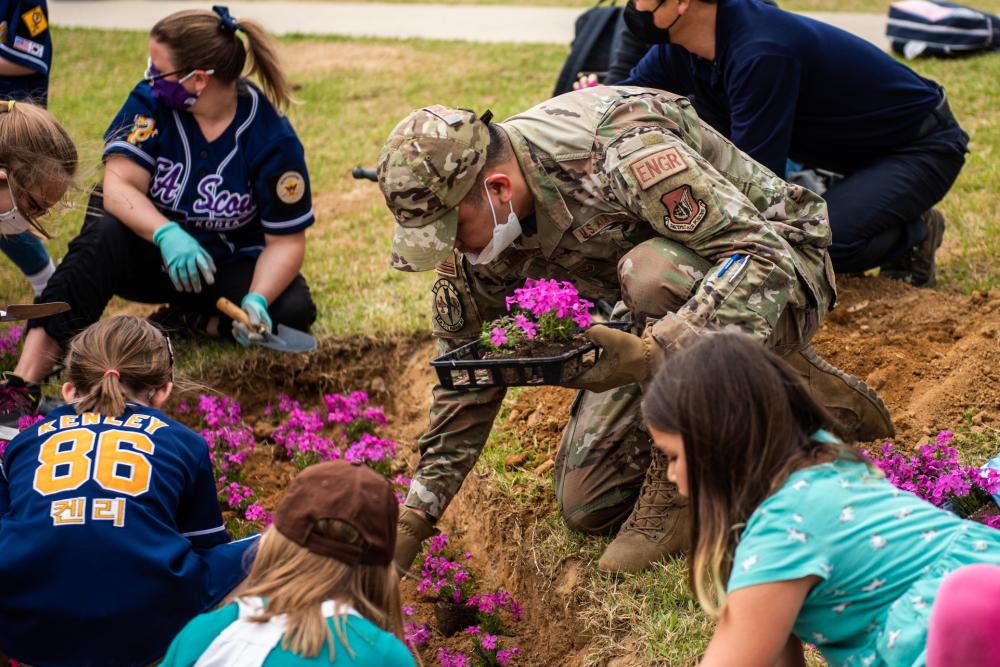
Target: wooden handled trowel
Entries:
(284, 339)
(30, 311)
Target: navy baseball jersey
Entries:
(111, 538)
(25, 40)
(226, 193)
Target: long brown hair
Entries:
(113, 357)
(197, 40)
(296, 582)
(38, 155)
(747, 422)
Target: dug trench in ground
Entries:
(933, 356)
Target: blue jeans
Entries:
(26, 252)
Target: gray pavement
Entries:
(480, 23)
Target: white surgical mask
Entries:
(503, 235)
(12, 222)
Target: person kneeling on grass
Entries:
(111, 534)
(322, 590)
(205, 195)
(795, 537)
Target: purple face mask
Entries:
(171, 93)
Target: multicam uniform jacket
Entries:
(610, 168)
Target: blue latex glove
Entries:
(255, 306)
(184, 258)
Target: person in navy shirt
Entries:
(783, 86)
(25, 59)
(206, 194)
(111, 533)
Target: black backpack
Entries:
(593, 44)
(930, 28)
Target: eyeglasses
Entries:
(152, 74)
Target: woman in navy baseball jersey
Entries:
(206, 194)
(25, 58)
(110, 529)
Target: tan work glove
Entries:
(627, 359)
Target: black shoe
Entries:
(918, 267)
(17, 399)
(180, 324)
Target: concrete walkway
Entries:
(481, 23)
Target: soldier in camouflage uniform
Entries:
(627, 194)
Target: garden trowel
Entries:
(30, 311)
(284, 339)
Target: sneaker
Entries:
(918, 267)
(178, 323)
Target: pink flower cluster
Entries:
(301, 434)
(415, 634)
(546, 309)
(936, 475)
(304, 436)
(230, 442)
(10, 339)
(552, 297)
(444, 575)
(492, 605)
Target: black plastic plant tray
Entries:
(465, 368)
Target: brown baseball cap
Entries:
(341, 491)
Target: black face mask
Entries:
(642, 25)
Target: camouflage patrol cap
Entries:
(426, 167)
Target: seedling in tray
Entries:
(538, 341)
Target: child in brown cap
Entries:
(322, 577)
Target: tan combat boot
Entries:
(411, 530)
(856, 406)
(657, 528)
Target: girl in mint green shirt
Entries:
(322, 589)
(795, 538)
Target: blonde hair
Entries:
(296, 582)
(114, 355)
(196, 41)
(37, 152)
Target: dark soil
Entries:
(537, 349)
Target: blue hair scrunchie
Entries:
(227, 23)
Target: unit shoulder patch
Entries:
(143, 128)
(291, 187)
(654, 168)
(684, 211)
(35, 21)
(449, 312)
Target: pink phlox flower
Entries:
(504, 656)
(371, 449)
(498, 336)
(416, 634)
(529, 328)
(489, 642)
(449, 658)
(992, 520)
(255, 512)
(473, 629)
(438, 543)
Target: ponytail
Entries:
(201, 39)
(115, 357)
(265, 65)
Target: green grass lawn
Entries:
(352, 93)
